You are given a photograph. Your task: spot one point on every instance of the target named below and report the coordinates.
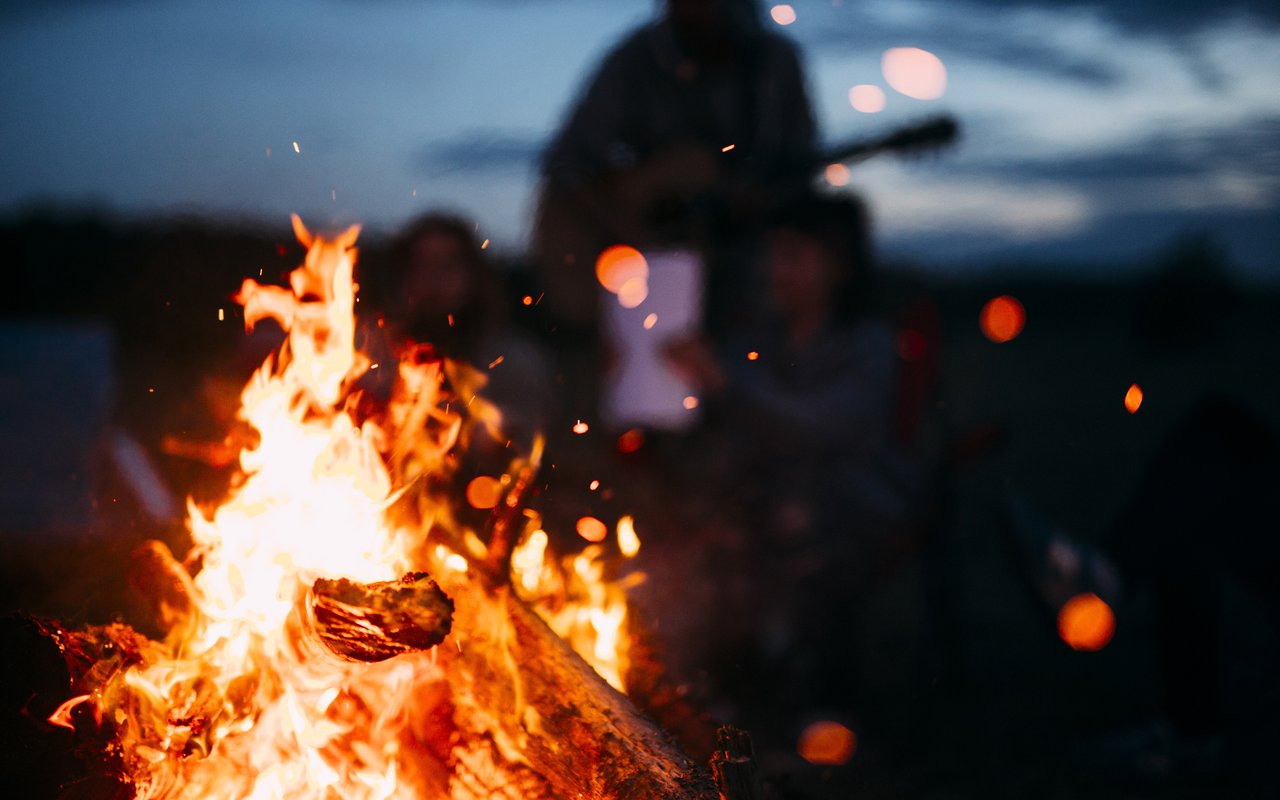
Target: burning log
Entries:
(576, 731)
(376, 621)
(734, 766)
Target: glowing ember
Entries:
(628, 541)
(1002, 319)
(630, 441)
(1086, 622)
(827, 743)
(581, 427)
(1133, 399)
(484, 492)
(592, 529)
(618, 264)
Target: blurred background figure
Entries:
(688, 129)
(801, 421)
(1198, 527)
(440, 289)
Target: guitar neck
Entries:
(931, 134)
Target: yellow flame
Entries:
(236, 703)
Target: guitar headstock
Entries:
(929, 135)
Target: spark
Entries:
(727, 148)
(592, 529)
(628, 541)
(222, 315)
(496, 362)
(484, 245)
(580, 427)
(1133, 399)
(690, 402)
(650, 321)
(296, 149)
(594, 485)
(753, 355)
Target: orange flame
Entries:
(234, 704)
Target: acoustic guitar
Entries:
(678, 198)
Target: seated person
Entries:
(446, 293)
(806, 407)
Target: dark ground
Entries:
(1000, 723)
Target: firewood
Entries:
(734, 766)
(375, 621)
(544, 705)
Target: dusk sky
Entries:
(1091, 135)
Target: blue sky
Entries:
(1092, 134)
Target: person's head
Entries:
(441, 273)
(712, 30)
(818, 259)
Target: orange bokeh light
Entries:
(827, 743)
(617, 265)
(633, 292)
(783, 14)
(581, 427)
(630, 441)
(1086, 623)
(837, 175)
(484, 492)
(867, 98)
(592, 529)
(1002, 318)
(1133, 399)
(914, 72)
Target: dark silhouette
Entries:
(686, 129)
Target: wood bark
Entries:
(376, 621)
(549, 707)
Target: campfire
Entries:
(335, 631)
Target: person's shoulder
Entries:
(775, 46)
(635, 48)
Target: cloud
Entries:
(480, 151)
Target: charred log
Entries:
(734, 766)
(376, 621)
